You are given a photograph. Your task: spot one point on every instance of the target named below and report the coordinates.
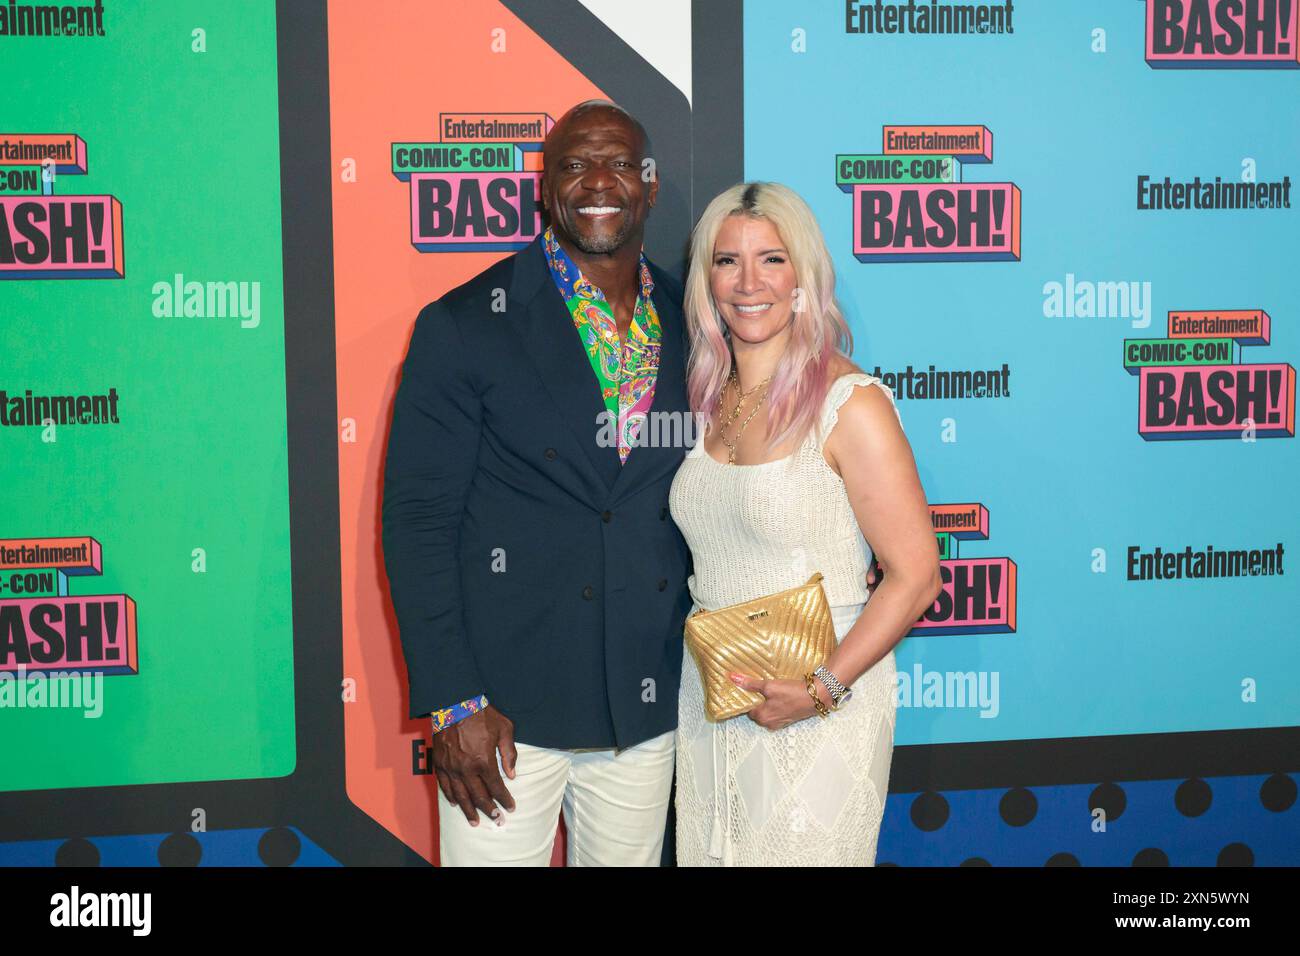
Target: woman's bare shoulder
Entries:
(841, 366)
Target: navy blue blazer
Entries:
(524, 561)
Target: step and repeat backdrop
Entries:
(144, 529)
(1064, 235)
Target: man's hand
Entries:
(873, 580)
(465, 763)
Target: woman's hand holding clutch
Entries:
(785, 701)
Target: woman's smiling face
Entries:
(752, 278)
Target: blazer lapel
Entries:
(646, 462)
(551, 341)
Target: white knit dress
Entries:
(812, 793)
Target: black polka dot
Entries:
(1236, 854)
(1062, 859)
(279, 847)
(1277, 793)
(179, 849)
(1018, 806)
(1151, 857)
(1193, 797)
(76, 852)
(1109, 797)
(929, 811)
(975, 861)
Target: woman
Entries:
(796, 466)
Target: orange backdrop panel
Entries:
(394, 66)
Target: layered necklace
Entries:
(735, 412)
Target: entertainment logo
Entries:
(46, 236)
(51, 630)
(51, 20)
(979, 594)
(1189, 385)
(1222, 34)
(910, 204)
(479, 188)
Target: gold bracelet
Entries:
(822, 710)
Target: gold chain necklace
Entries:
(735, 413)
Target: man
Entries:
(538, 578)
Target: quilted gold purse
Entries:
(784, 635)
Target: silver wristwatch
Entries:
(839, 693)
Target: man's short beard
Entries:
(601, 244)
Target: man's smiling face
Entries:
(591, 181)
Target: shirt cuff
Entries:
(444, 718)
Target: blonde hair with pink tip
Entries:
(818, 332)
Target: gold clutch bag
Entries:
(784, 635)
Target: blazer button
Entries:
(606, 516)
(663, 514)
(588, 593)
(550, 454)
(663, 584)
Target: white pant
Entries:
(615, 804)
